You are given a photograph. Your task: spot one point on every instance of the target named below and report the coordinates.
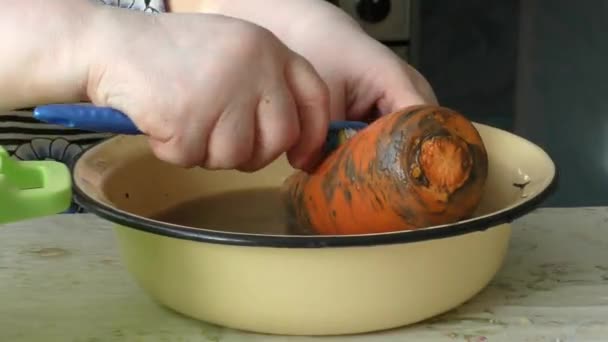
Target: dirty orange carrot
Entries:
(414, 168)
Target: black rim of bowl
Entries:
(478, 224)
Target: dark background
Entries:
(537, 68)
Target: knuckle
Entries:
(276, 144)
(252, 37)
(188, 161)
(257, 33)
(163, 128)
(256, 42)
(284, 140)
(183, 152)
(175, 156)
(231, 156)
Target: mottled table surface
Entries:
(61, 280)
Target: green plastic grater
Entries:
(30, 189)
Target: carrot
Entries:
(414, 168)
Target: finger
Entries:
(231, 141)
(175, 151)
(187, 144)
(422, 85)
(363, 101)
(276, 128)
(312, 102)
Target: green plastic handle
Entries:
(30, 189)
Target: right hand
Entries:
(208, 90)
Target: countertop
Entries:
(61, 280)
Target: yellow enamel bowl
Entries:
(303, 285)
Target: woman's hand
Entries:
(209, 90)
(364, 77)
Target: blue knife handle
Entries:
(87, 117)
(92, 118)
(340, 125)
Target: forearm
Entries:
(42, 59)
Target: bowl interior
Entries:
(123, 176)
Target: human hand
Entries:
(364, 77)
(208, 90)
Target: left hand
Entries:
(365, 78)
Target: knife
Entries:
(99, 119)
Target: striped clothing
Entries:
(25, 138)
(152, 6)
